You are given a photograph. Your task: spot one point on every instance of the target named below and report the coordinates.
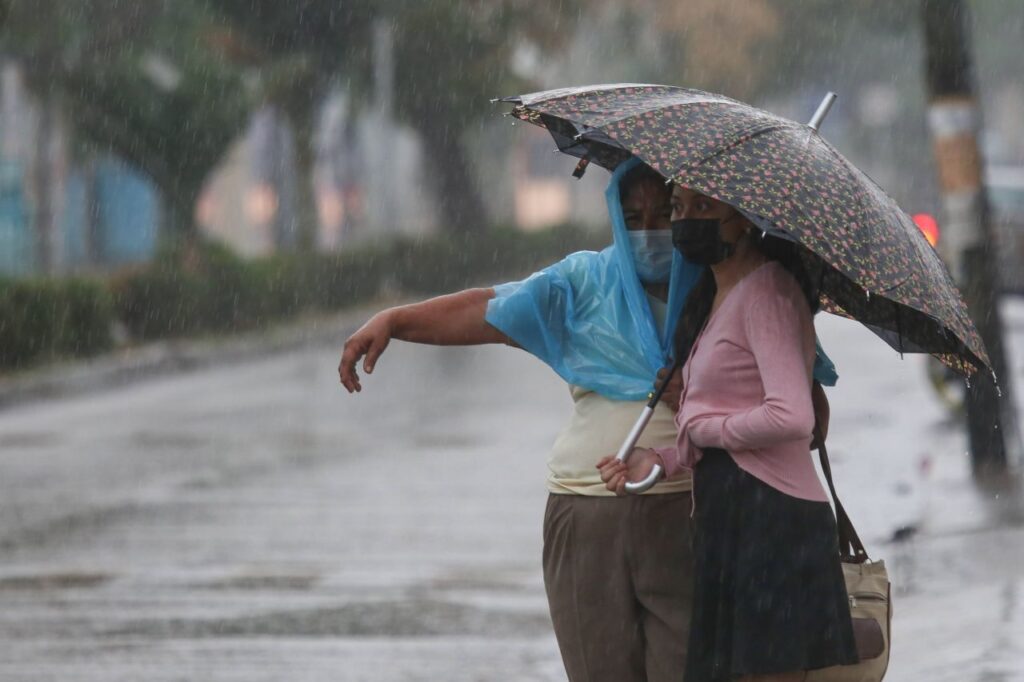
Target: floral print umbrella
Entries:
(871, 261)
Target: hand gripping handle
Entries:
(637, 487)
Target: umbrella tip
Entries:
(822, 112)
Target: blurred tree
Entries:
(297, 51)
(40, 52)
(449, 58)
(138, 80)
(821, 36)
(749, 48)
(715, 43)
(785, 55)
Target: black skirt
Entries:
(770, 596)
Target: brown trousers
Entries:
(619, 579)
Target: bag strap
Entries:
(851, 549)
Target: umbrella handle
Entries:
(637, 487)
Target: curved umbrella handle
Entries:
(637, 487)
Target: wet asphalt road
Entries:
(255, 522)
(258, 523)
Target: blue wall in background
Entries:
(73, 220)
(129, 214)
(15, 241)
(127, 220)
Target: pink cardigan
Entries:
(747, 386)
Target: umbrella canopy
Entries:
(870, 260)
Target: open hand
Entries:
(370, 340)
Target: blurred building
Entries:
(367, 183)
(64, 209)
(544, 192)
(60, 212)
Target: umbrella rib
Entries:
(870, 183)
(654, 106)
(899, 327)
(878, 326)
(852, 170)
(744, 138)
(546, 96)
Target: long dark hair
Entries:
(700, 299)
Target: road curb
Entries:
(132, 364)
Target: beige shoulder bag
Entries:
(867, 584)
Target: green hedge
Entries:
(43, 319)
(446, 264)
(210, 290)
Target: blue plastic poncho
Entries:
(588, 318)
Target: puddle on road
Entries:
(172, 440)
(264, 582)
(80, 525)
(446, 440)
(28, 439)
(54, 581)
(418, 618)
(484, 580)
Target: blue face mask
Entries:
(652, 254)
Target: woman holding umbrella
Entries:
(778, 191)
(604, 322)
(770, 600)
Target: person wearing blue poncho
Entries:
(605, 322)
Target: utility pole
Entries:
(47, 187)
(384, 94)
(954, 117)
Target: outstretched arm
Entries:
(452, 320)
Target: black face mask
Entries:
(700, 241)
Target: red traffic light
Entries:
(929, 226)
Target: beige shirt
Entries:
(597, 428)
